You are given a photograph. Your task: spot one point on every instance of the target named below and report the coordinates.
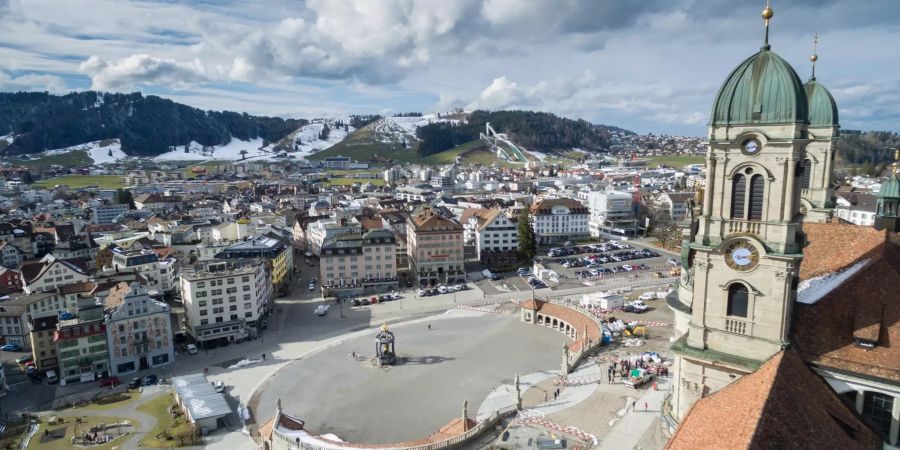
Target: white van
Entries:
(51, 376)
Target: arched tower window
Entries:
(757, 189)
(738, 299)
(806, 173)
(738, 193)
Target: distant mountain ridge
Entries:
(145, 125)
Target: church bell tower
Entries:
(816, 188)
(735, 297)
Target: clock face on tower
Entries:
(741, 255)
(751, 147)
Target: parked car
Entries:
(192, 349)
(135, 383)
(220, 386)
(109, 381)
(24, 359)
(312, 285)
(10, 347)
(636, 306)
(150, 380)
(496, 277)
(321, 310)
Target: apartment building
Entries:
(435, 247)
(557, 220)
(612, 214)
(856, 207)
(319, 231)
(277, 253)
(43, 348)
(496, 238)
(48, 273)
(138, 330)
(11, 255)
(81, 343)
(225, 299)
(355, 264)
(672, 206)
(105, 213)
(159, 274)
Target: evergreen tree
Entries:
(124, 197)
(527, 244)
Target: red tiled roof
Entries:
(570, 316)
(784, 404)
(544, 206)
(866, 307)
(834, 246)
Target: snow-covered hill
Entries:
(105, 151)
(393, 130)
(306, 140)
(299, 144)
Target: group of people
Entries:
(624, 365)
(555, 395)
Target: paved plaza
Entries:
(460, 358)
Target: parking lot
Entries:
(613, 262)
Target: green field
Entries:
(169, 431)
(675, 161)
(81, 181)
(351, 181)
(75, 158)
(363, 144)
(449, 156)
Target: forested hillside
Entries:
(538, 131)
(869, 149)
(146, 125)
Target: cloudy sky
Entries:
(649, 65)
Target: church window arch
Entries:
(738, 300)
(755, 196)
(738, 194)
(806, 173)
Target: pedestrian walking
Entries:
(646, 408)
(555, 395)
(545, 396)
(633, 404)
(429, 326)
(264, 356)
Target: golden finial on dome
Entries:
(767, 14)
(815, 56)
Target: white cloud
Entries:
(138, 70)
(32, 82)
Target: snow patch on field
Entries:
(105, 151)
(812, 290)
(244, 363)
(538, 155)
(403, 129)
(229, 151)
(309, 138)
(309, 144)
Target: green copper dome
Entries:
(890, 188)
(823, 110)
(763, 90)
